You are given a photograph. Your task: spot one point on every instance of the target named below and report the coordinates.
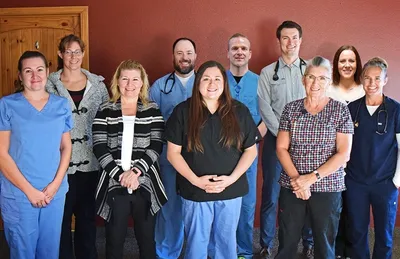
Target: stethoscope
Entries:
(275, 77)
(170, 77)
(384, 111)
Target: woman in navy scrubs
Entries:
(372, 176)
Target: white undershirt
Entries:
(127, 141)
(371, 109)
(184, 80)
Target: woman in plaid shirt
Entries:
(313, 144)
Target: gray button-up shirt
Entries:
(274, 95)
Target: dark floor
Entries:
(131, 246)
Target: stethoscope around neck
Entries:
(275, 77)
(171, 77)
(378, 123)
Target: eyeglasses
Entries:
(320, 79)
(77, 52)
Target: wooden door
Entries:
(40, 29)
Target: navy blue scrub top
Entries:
(373, 156)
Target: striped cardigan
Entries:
(147, 146)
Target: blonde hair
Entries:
(130, 65)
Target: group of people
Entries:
(180, 157)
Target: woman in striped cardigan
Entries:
(127, 141)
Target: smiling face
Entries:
(373, 80)
(130, 83)
(290, 42)
(316, 82)
(239, 52)
(211, 84)
(72, 56)
(184, 57)
(347, 64)
(33, 74)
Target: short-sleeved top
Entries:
(35, 140)
(313, 141)
(245, 91)
(216, 159)
(373, 157)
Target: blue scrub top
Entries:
(35, 140)
(373, 156)
(168, 91)
(246, 92)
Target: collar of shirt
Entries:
(295, 63)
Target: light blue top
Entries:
(246, 92)
(35, 140)
(168, 91)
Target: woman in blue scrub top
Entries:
(34, 155)
(373, 174)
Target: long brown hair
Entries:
(335, 73)
(198, 113)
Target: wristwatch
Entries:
(319, 178)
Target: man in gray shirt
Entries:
(279, 84)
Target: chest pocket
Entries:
(251, 103)
(278, 89)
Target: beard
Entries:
(185, 70)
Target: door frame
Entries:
(82, 11)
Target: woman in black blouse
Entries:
(211, 143)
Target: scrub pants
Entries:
(323, 208)
(382, 197)
(210, 228)
(343, 245)
(244, 233)
(270, 194)
(169, 235)
(32, 233)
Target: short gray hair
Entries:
(319, 61)
(375, 62)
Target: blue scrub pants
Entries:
(270, 195)
(169, 233)
(210, 228)
(32, 233)
(382, 198)
(244, 233)
(323, 208)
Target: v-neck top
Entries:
(35, 140)
(373, 157)
(313, 141)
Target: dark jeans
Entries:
(270, 194)
(324, 210)
(343, 245)
(80, 201)
(123, 207)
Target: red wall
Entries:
(145, 30)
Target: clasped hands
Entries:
(301, 185)
(40, 199)
(130, 178)
(214, 183)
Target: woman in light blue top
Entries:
(34, 155)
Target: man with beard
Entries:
(167, 92)
(243, 87)
(279, 84)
